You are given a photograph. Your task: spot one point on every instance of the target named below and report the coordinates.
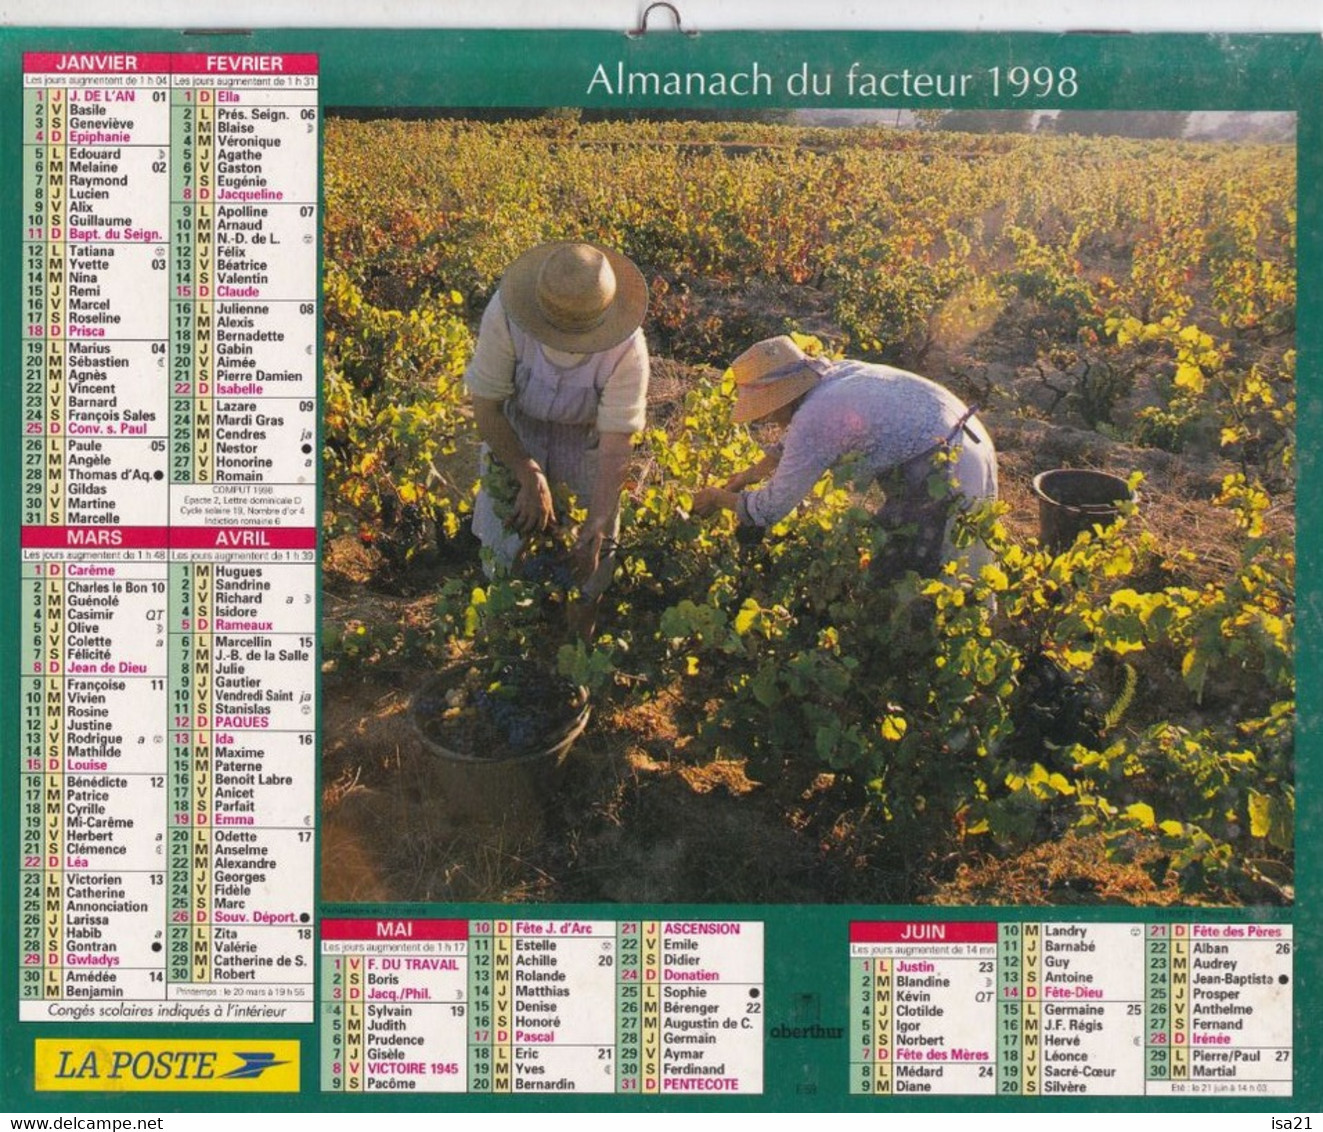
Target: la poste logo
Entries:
(167, 1066)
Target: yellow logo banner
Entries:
(167, 1066)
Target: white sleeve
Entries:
(624, 403)
(490, 372)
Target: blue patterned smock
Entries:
(884, 416)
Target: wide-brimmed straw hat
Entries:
(575, 296)
(769, 375)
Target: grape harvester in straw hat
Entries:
(894, 423)
(559, 382)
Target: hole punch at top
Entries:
(642, 29)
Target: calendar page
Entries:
(564, 571)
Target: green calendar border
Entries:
(806, 946)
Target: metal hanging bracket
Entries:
(642, 29)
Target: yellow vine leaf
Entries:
(1189, 377)
(1143, 813)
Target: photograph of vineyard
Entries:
(1106, 722)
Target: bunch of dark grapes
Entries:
(411, 524)
(528, 706)
(402, 529)
(430, 704)
(517, 727)
(1054, 708)
(549, 567)
(749, 538)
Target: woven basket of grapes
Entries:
(511, 711)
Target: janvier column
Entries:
(94, 514)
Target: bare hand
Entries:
(586, 555)
(710, 500)
(533, 509)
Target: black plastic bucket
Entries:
(1073, 500)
